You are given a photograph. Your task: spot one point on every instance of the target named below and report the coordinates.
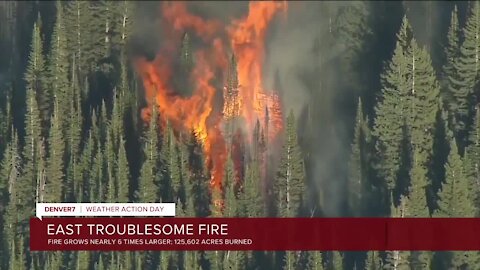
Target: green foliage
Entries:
(454, 99)
(58, 68)
(76, 143)
(467, 67)
(359, 164)
(337, 260)
(392, 109)
(35, 74)
(455, 198)
(54, 187)
(290, 180)
(149, 173)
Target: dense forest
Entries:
(373, 111)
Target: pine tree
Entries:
(337, 260)
(28, 183)
(467, 66)
(83, 260)
(450, 73)
(83, 34)
(472, 157)
(85, 185)
(289, 182)
(10, 174)
(35, 74)
(148, 180)
(393, 109)
(358, 165)
(124, 22)
(19, 260)
(373, 261)
(98, 188)
(251, 201)
(416, 206)
(353, 31)
(230, 205)
(455, 198)
(177, 176)
(74, 140)
(425, 103)
(123, 174)
(417, 202)
(54, 188)
(58, 68)
(199, 187)
(315, 261)
(166, 162)
(111, 160)
(54, 260)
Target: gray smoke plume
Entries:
(312, 60)
(304, 58)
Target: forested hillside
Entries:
(279, 109)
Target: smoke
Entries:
(146, 31)
(303, 61)
(429, 23)
(302, 64)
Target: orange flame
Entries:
(197, 112)
(248, 42)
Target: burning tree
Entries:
(245, 100)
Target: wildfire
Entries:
(247, 37)
(197, 112)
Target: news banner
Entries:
(153, 226)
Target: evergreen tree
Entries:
(74, 141)
(79, 30)
(251, 201)
(425, 103)
(416, 206)
(467, 66)
(289, 182)
(148, 180)
(58, 68)
(450, 73)
(373, 261)
(19, 260)
(176, 174)
(417, 202)
(10, 174)
(124, 22)
(315, 261)
(230, 205)
(111, 160)
(392, 109)
(455, 198)
(166, 162)
(54, 187)
(472, 158)
(35, 74)
(337, 260)
(83, 260)
(358, 179)
(85, 185)
(28, 183)
(123, 174)
(353, 32)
